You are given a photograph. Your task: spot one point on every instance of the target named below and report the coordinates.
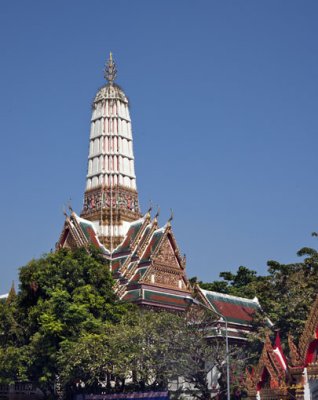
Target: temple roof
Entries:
(147, 265)
(238, 310)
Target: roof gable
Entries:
(166, 254)
(166, 269)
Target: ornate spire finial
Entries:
(110, 71)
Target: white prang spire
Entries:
(111, 180)
(111, 151)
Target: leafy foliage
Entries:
(63, 297)
(285, 294)
(146, 350)
(66, 327)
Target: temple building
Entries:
(147, 265)
(277, 376)
(145, 259)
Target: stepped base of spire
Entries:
(111, 210)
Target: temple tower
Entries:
(111, 198)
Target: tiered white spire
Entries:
(111, 159)
(111, 198)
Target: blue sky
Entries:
(224, 110)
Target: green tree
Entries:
(285, 294)
(146, 350)
(63, 296)
(86, 362)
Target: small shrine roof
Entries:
(235, 309)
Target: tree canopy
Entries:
(63, 296)
(286, 293)
(66, 329)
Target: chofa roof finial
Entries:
(157, 213)
(171, 216)
(110, 71)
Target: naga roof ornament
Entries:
(110, 71)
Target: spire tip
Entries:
(110, 71)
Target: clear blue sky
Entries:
(224, 110)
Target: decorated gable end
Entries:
(270, 378)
